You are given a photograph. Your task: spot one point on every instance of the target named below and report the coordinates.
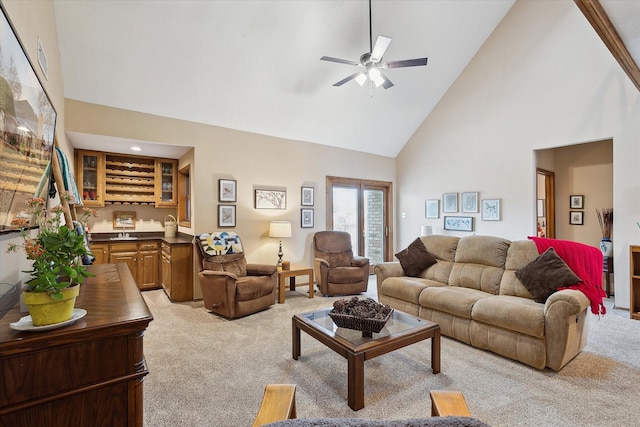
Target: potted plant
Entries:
(57, 269)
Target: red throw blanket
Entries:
(586, 263)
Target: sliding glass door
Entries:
(362, 208)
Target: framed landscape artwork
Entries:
(27, 127)
(124, 220)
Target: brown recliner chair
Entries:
(230, 287)
(337, 271)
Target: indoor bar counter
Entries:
(89, 373)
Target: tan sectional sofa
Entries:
(473, 293)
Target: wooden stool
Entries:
(448, 403)
(278, 403)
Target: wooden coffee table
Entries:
(401, 330)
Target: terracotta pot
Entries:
(46, 311)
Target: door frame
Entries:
(362, 184)
(550, 200)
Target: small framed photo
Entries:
(226, 216)
(458, 223)
(469, 202)
(450, 202)
(306, 198)
(306, 218)
(124, 220)
(227, 191)
(491, 210)
(576, 202)
(576, 218)
(432, 208)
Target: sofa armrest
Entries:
(358, 261)
(260, 269)
(564, 303)
(387, 269)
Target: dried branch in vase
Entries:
(605, 219)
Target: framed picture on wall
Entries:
(576, 202)
(576, 218)
(306, 198)
(306, 218)
(226, 216)
(271, 199)
(469, 202)
(432, 208)
(491, 209)
(123, 220)
(458, 223)
(450, 202)
(227, 190)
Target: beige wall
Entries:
(543, 79)
(33, 19)
(252, 160)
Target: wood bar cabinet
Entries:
(86, 374)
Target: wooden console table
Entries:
(86, 374)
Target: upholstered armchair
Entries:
(230, 287)
(337, 271)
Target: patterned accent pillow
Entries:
(221, 243)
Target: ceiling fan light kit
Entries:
(372, 63)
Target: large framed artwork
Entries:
(271, 199)
(27, 125)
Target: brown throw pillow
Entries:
(545, 274)
(415, 258)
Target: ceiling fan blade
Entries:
(406, 63)
(387, 83)
(348, 79)
(382, 43)
(339, 61)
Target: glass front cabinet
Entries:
(90, 177)
(166, 185)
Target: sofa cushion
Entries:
(451, 299)
(521, 253)
(545, 274)
(415, 258)
(512, 313)
(479, 263)
(441, 247)
(406, 288)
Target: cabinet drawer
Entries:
(124, 247)
(148, 246)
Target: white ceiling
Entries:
(255, 65)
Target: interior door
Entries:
(546, 203)
(361, 208)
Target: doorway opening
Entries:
(546, 203)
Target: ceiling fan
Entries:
(372, 62)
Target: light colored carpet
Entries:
(207, 371)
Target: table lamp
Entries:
(280, 229)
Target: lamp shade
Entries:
(280, 229)
(426, 230)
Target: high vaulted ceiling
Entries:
(255, 65)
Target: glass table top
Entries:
(399, 322)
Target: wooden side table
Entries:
(291, 274)
(607, 269)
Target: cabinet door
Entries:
(101, 252)
(127, 257)
(166, 183)
(148, 269)
(90, 177)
